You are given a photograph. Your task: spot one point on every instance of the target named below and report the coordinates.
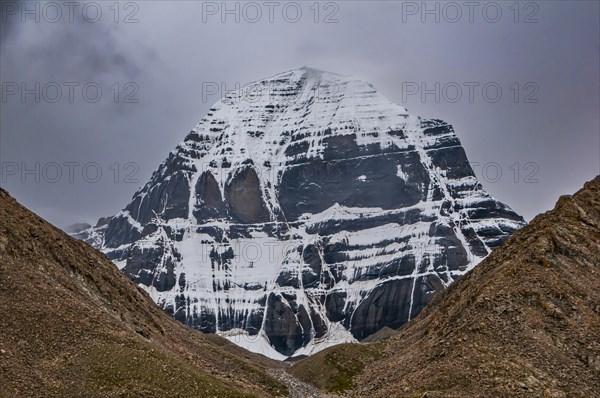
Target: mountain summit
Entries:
(305, 210)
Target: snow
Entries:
(337, 334)
(258, 343)
(400, 173)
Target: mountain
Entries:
(72, 325)
(524, 323)
(305, 210)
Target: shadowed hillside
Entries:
(71, 325)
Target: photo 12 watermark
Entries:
(70, 172)
(70, 11)
(69, 92)
(471, 92)
(252, 12)
(470, 11)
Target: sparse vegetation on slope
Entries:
(333, 370)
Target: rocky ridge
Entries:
(72, 325)
(524, 323)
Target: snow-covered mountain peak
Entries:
(305, 210)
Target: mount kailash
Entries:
(305, 210)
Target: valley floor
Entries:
(297, 388)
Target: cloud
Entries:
(170, 52)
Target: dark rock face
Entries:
(302, 220)
(311, 275)
(120, 230)
(283, 326)
(243, 194)
(316, 186)
(385, 306)
(210, 199)
(142, 262)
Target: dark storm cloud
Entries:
(36, 132)
(170, 52)
(77, 49)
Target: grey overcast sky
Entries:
(542, 133)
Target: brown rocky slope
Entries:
(71, 325)
(525, 322)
